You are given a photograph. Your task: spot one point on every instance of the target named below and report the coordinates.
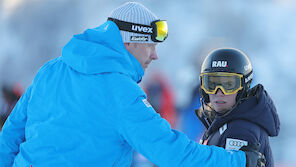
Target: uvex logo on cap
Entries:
(219, 64)
(142, 29)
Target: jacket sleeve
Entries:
(153, 137)
(13, 132)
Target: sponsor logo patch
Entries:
(249, 78)
(222, 129)
(142, 29)
(219, 64)
(147, 104)
(234, 144)
(139, 38)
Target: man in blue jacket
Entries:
(85, 108)
(234, 114)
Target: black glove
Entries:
(253, 157)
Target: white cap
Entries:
(134, 12)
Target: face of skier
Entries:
(221, 102)
(143, 52)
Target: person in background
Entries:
(11, 95)
(187, 117)
(234, 114)
(85, 108)
(161, 97)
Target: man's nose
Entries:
(154, 55)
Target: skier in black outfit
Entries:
(234, 114)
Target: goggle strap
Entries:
(127, 26)
(247, 78)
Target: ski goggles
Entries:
(158, 30)
(229, 83)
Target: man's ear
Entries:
(130, 46)
(126, 45)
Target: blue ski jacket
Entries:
(85, 108)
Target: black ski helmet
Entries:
(228, 60)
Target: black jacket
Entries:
(250, 122)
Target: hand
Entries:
(253, 157)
